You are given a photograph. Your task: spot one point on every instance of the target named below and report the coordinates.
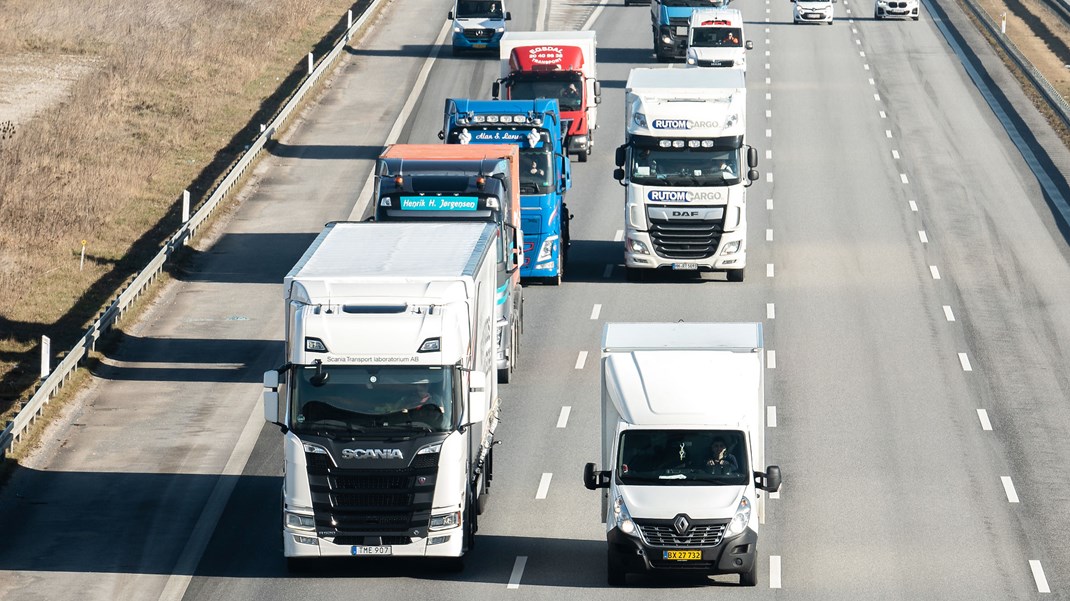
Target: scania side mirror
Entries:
(593, 479)
(771, 479)
(750, 45)
(752, 157)
(508, 16)
(477, 397)
(449, 15)
(618, 174)
(620, 156)
(496, 89)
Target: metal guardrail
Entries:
(1054, 99)
(33, 408)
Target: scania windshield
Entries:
(566, 87)
(684, 167)
(683, 458)
(339, 401)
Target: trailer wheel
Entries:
(616, 575)
(750, 577)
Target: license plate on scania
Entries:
(685, 266)
(372, 551)
(682, 555)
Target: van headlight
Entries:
(299, 521)
(741, 519)
(690, 60)
(622, 519)
(458, 29)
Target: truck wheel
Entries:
(616, 575)
(581, 156)
(635, 275)
(736, 275)
(749, 578)
(297, 565)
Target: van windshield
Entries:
(695, 3)
(479, 9)
(683, 457)
(716, 37)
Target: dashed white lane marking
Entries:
(770, 311)
(562, 420)
(913, 206)
(866, 66)
(596, 311)
(877, 97)
(770, 361)
(766, 66)
(774, 571)
(768, 270)
(518, 572)
(884, 115)
(964, 361)
(858, 42)
(1008, 487)
(608, 271)
(872, 81)
(887, 133)
(769, 176)
(895, 154)
(769, 133)
(767, 31)
(768, 235)
(618, 236)
(768, 96)
(767, 19)
(768, 114)
(982, 415)
(770, 416)
(544, 486)
(768, 80)
(948, 315)
(767, 53)
(581, 359)
(853, 30)
(935, 272)
(768, 204)
(924, 238)
(861, 53)
(768, 154)
(903, 178)
(1038, 576)
(768, 10)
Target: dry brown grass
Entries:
(171, 84)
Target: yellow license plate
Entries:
(683, 555)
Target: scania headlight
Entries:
(622, 519)
(445, 521)
(547, 249)
(741, 519)
(299, 521)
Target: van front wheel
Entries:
(749, 578)
(615, 572)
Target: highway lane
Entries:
(893, 488)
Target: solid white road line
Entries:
(770, 311)
(770, 359)
(562, 420)
(608, 271)
(540, 17)
(768, 235)
(618, 236)
(1038, 576)
(913, 206)
(922, 235)
(768, 270)
(518, 572)
(594, 17)
(544, 486)
(895, 154)
(935, 272)
(965, 362)
(903, 178)
(982, 415)
(770, 416)
(774, 571)
(1008, 487)
(948, 314)
(581, 359)
(596, 311)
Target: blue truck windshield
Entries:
(351, 401)
(536, 172)
(684, 167)
(566, 87)
(683, 457)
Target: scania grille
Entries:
(685, 239)
(665, 535)
(369, 502)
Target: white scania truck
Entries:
(685, 166)
(683, 435)
(387, 397)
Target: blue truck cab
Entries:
(669, 21)
(478, 24)
(545, 171)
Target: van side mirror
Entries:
(508, 16)
(593, 479)
(496, 89)
(752, 157)
(449, 15)
(477, 397)
(620, 156)
(771, 479)
(750, 45)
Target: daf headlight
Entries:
(637, 247)
(731, 248)
(639, 119)
(299, 521)
(741, 519)
(622, 519)
(547, 249)
(445, 521)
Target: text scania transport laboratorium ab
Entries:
(683, 169)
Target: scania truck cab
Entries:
(555, 64)
(535, 128)
(683, 438)
(435, 182)
(716, 39)
(386, 399)
(478, 24)
(685, 168)
(670, 21)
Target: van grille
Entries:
(663, 534)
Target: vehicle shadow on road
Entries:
(241, 258)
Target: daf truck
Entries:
(477, 24)
(386, 399)
(685, 167)
(683, 438)
(435, 182)
(535, 128)
(555, 64)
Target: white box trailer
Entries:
(387, 397)
(683, 435)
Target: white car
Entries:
(883, 9)
(813, 11)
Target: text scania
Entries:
(682, 196)
(683, 124)
(372, 454)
